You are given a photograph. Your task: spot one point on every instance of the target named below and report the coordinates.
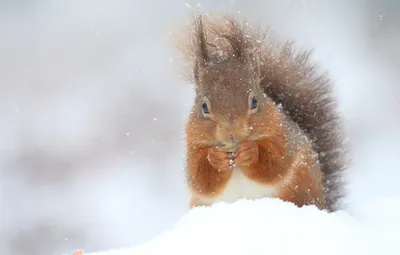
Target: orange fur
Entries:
(265, 162)
(306, 186)
(266, 165)
(269, 160)
(290, 152)
(204, 178)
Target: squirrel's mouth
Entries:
(230, 136)
(231, 145)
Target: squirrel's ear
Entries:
(257, 70)
(257, 75)
(232, 31)
(199, 47)
(199, 41)
(196, 73)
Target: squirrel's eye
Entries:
(204, 107)
(253, 103)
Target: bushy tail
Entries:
(291, 80)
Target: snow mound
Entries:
(271, 226)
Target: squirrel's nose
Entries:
(233, 139)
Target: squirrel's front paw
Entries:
(220, 159)
(246, 154)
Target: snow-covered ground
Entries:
(91, 119)
(270, 226)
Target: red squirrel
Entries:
(263, 122)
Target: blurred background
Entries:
(92, 112)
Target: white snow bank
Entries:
(270, 226)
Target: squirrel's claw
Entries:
(219, 159)
(246, 154)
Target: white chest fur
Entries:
(240, 186)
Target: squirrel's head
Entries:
(230, 105)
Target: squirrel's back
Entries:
(291, 81)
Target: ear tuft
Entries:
(234, 34)
(199, 41)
